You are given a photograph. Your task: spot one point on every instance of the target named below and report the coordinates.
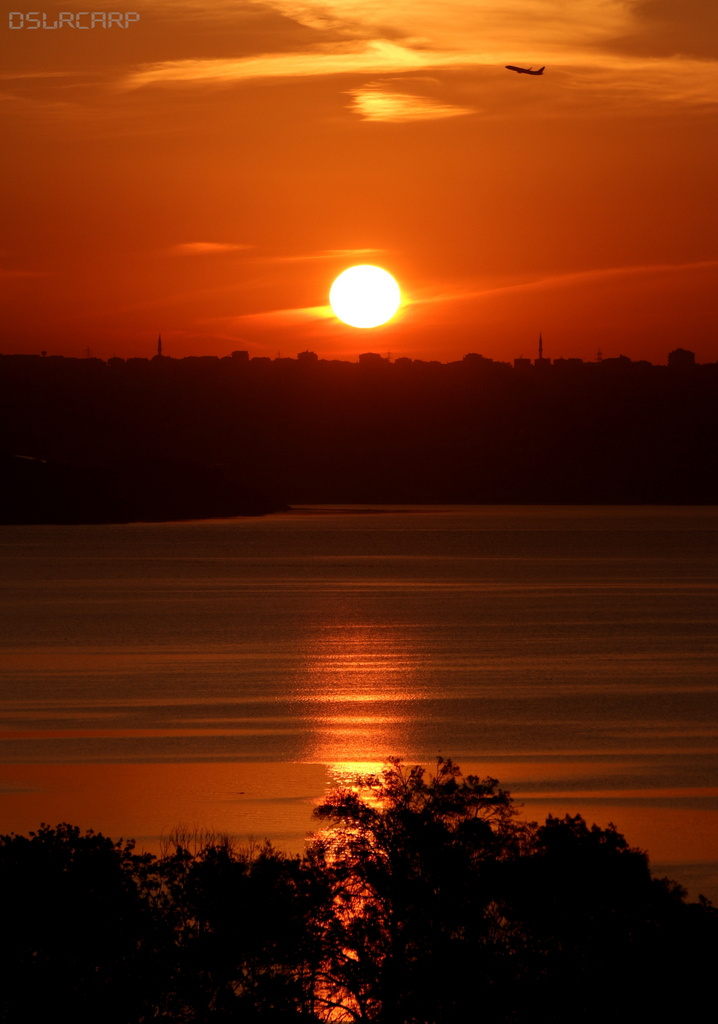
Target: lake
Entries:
(221, 674)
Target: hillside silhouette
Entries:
(308, 430)
(123, 491)
(422, 901)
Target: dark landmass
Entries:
(312, 431)
(424, 901)
(128, 491)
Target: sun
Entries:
(365, 296)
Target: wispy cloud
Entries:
(323, 254)
(358, 37)
(375, 103)
(12, 76)
(615, 273)
(8, 274)
(471, 24)
(373, 56)
(646, 80)
(573, 279)
(205, 248)
(273, 317)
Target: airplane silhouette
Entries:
(525, 71)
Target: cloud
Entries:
(374, 103)
(346, 58)
(642, 81)
(13, 76)
(663, 28)
(323, 254)
(203, 248)
(273, 317)
(569, 280)
(469, 24)
(9, 274)
(645, 81)
(616, 273)
(641, 51)
(647, 51)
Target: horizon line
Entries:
(242, 356)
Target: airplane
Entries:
(525, 71)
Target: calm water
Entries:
(221, 674)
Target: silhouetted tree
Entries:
(416, 865)
(75, 928)
(242, 941)
(445, 908)
(602, 939)
(423, 901)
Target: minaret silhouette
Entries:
(540, 347)
(159, 344)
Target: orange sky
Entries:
(210, 169)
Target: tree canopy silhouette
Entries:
(424, 899)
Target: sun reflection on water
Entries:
(360, 685)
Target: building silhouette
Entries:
(680, 358)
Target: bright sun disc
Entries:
(365, 296)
